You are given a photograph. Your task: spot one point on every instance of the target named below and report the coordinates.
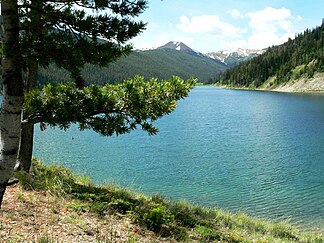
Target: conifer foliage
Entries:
(71, 33)
(109, 109)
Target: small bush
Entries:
(156, 217)
(183, 214)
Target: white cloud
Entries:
(210, 24)
(265, 39)
(236, 14)
(270, 26)
(269, 19)
(259, 29)
(266, 27)
(186, 40)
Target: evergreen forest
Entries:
(299, 57)
(158, 63)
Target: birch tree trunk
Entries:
(10, 116)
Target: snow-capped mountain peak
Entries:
(176, 45)
(229, 58)
(180, 46)
(233, 57)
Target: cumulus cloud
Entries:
(270, 26)
(256, 30)
(236, 14)
(269, 19)
(210, 24)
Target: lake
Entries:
(257, 152)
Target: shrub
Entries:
(156, 217)
(183, 214)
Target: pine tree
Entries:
(57, 32)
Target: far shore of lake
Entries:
(302, 85)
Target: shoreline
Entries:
(314, 85)
(54, 205)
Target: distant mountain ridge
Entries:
(230, 58)
(174, 58)
(234, 57)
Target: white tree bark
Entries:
(10, 120)
(10, 116)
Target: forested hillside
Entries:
(301, 57)
(159, 63)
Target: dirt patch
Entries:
(30, 216)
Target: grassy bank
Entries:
(53, 205)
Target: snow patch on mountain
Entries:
(180, 46)
(228, 57)
(232, 57)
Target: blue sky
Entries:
(213, 25)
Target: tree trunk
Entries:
(27, 131)
(10, 116)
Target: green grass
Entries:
(179, 221)
(44, 239)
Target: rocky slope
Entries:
(314, 84)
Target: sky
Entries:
(214, 25)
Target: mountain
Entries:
(179, 46)
(170, 59)
(298, 64)
(234, 57)
(229, 58)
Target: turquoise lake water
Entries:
(257, 152)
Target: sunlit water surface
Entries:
(257, 152)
